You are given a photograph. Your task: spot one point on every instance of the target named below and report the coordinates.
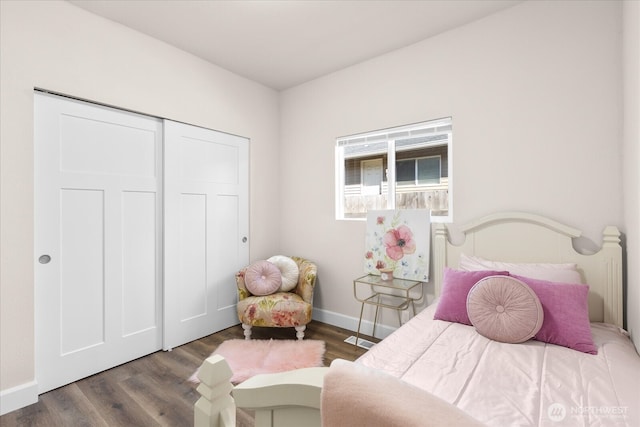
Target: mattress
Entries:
(527, 384)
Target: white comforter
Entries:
(529, 384)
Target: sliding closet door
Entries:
(98, 238)
(206, 227)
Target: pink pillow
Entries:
(566, 314)
(456, 284)
(262, 278)
(504, 309)
(564, 272)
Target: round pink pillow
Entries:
(262, 278)
(504, 309)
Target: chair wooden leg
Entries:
(247, 331)
(300, 331)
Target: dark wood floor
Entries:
(153, 390)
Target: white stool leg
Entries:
(247, 331)
(300, 331)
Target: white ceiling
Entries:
(285, 43)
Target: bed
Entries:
(582, 370)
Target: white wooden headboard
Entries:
(524, 237)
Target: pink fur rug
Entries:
(247, 358)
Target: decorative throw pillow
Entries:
(564, 272)
(262, 278)
(504, 309)
(456, 284)
(289, 270)
(566, 314)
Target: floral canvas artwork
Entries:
(398, 241)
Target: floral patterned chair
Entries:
(280, 309)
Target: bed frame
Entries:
(524, 237)
(293, 398)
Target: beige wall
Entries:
(631, 156)
(535, 96)
(59, 47)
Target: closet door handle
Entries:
(244, 239)
(44, 259)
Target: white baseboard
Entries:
(351, 323)
(18, 397)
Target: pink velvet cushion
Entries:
(566, 314)
(504, 309)
(456, 285)
(262, 278)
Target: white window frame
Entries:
(432, 127)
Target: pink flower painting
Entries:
(399, 241)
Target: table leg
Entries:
(375, 319)
(359, 323)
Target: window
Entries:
(407, 167)
(425, 170)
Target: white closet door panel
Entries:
(115, 148)
(206, 162)
(81, 270)
(227, 249)
(98, 217)
(206, 217)
(140, 268)
(193, 256)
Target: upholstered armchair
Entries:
(280, 309)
